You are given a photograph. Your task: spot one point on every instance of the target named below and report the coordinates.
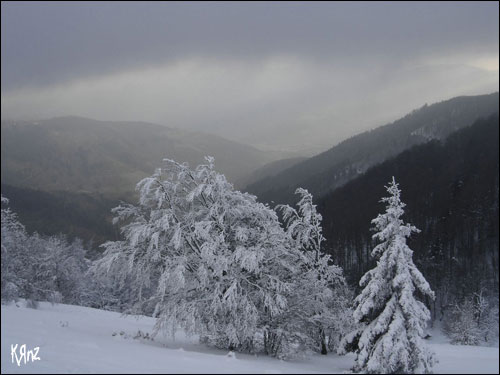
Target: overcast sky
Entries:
(299, 75)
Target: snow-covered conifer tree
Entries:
(392, 320)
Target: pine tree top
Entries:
(389, 225)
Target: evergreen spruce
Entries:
(392, 321)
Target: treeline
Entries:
(451, 189)
(77, 215)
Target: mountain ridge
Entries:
(78, 154)
(333, 168)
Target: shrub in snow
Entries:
(392, 321)
(41, 268)
(486, 314)
(13, 253)
(461, 325)
(215, 262)
(490, 324)
(472, 321)
(341, 308)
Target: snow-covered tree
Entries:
(472, 320)
(39, 268)
(321, 284)
(13, 252)
(393, 321)
(204, 257)
(341, 308)
(66, 266)
(461, 325)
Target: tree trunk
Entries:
(324, 350)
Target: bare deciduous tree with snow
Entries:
(393, 321)
(472, 320)
(213, 261)
(13, 252)
(210, 258)
(321, 284)
(38, 267)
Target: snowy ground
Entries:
(75, 339)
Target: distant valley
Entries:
(76, 169)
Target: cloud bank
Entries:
(290, 76)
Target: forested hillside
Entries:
(349, 159)
(451, 190)
(83, 215)
(268, 170)
(65, 174)
(83, 155)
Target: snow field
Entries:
(74, 339)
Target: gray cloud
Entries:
(263, 73)
(47, 42)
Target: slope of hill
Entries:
(87, 216)
(451, 189)
(83, 155)
(268, 170)
(75, 339)
(65, 174)
(333, 168)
